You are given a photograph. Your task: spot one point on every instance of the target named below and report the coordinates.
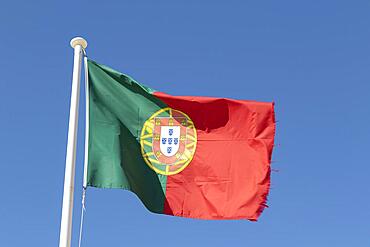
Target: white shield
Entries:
(170, 140)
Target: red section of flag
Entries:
(229, 176)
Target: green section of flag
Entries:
(119, 106)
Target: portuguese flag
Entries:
(189, 156)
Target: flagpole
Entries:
(78, 44)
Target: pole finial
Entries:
(78, 41)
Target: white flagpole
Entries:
(78, 44)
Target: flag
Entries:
(188, 156)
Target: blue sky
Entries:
(310, 57)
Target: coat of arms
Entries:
(168, 141)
